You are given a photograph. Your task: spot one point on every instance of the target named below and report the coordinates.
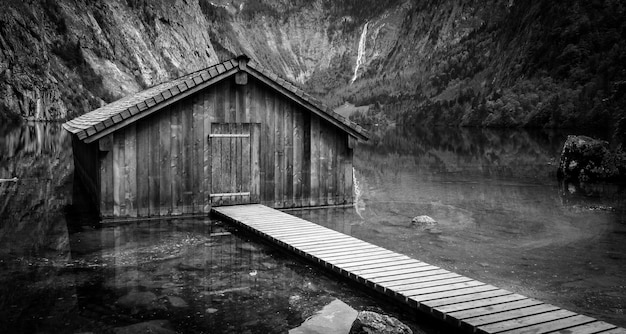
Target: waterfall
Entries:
(361, 51)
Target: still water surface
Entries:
(502, 218)
(60, 272)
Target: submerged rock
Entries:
(368, 322)
(140, 301)
(423, 221)
(153, 327)
(585, 159)
(176, 301)
(334, 318)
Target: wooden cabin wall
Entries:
(305, 160)
(161, 164)
(86, 167)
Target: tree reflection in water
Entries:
(62, 272)
(503, 217)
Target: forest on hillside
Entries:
(532, 64)
(429, 63)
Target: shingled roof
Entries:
(104, 120)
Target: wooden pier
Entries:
(469, 304)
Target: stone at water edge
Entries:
(423, 221)
(368, 322)
(586, 159)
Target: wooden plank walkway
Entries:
(469, 304)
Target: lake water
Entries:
(61, 272)
(502, 218)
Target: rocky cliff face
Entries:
(465, 62)
(63, 58)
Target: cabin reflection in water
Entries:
(193, 273)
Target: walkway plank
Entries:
(428, 284)
(396, 270)
(557, 325)
(491, 309)
(474, 304)
(464, 302)
(512, 314)
(525, 321)
(410, 276)
(435, 304)
(350, 250)
(423, 279)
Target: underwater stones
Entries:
(140, 301)
(585, 159)
(334, 318)
(176, 301)
(368, 322)
(153, 327)
(423, 221)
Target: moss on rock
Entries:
(586, 159)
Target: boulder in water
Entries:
(140, 301)
(176, 301)
(423, 221)
(368, 322)
(153, 326)
(586, 159)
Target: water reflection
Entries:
(502, 218)
(62, 272)
(32, 138)
(185, 276)
(39, 156)
(481, 152)
(502, 215)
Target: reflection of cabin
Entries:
(229, 134)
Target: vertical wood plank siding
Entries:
(164, 164)
(87, 169)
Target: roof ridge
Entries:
(295, 89)
(116, 112)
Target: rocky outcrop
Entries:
(63, 58)
(138, 302)
(152, 326)
(585, 159)
(423, 221)
(59, 59)
(368, 322)
(491, 63)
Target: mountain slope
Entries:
(497, 64)
(62, 58)
(455, 62)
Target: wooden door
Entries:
(234, 163)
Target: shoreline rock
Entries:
(368, 322)
(585, 159)
(423, 221)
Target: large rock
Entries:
(373, 323)
(423, 221)
(152, 327)
(585, 159)
(140, 302)
(334, 318)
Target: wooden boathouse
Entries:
(233, 133)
